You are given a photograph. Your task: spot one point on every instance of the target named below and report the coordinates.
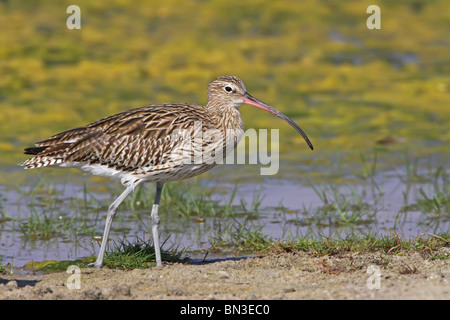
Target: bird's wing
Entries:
(141, 136)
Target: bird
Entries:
(154, 143)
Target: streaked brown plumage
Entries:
(154, 143)
(136, 142)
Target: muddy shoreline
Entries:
(282, 276)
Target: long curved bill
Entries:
(248, 99)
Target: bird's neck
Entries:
(225, 116)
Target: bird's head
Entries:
(230, 91)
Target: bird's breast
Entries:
(233, 130)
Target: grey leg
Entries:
(111, 213)
(155, 222)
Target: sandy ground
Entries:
(276, 276)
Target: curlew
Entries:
(158, 143)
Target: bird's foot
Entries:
(97, 264)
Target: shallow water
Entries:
(288, 208)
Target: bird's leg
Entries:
(155, 222)
(111, 213)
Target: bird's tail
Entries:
(34, 150)
(41, 159)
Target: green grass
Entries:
(241, 238)
(3, 269)
(437, 202)
(138, 254)
(433, 201)
(191, 199)
(253, 240)
(124, 254)
(47, 225)
(341, 207)
(46, 211)
(368, 243)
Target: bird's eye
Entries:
(228, 89)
